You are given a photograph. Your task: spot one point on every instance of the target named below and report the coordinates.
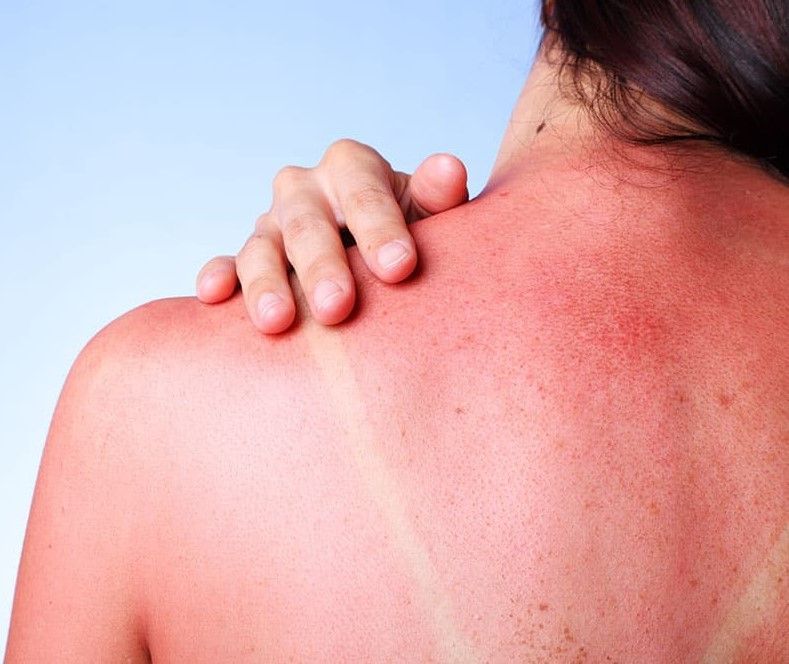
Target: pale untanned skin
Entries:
(565, 439)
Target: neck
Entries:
(543, 126)
(552, 152)
(549, 131)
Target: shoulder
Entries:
(164, 342)
(170, 370)
(76, 591)
(155, 329)
(156, 378)
(153, 407)
(138, 371)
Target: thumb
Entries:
(439, 183)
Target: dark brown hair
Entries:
(720, 67)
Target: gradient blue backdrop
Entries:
(139, 139)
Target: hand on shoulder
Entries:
(352, 187)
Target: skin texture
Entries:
(352, 187)
(564, 439)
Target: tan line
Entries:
(330, 354)
(752, 609)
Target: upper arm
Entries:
(76, 596)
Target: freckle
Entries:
(653, 507)
(459, 410)
(568, 635)
(543, 607)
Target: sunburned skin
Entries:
(565, 439)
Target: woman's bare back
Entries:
(564, 440)
(575, 448)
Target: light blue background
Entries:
(138, 139)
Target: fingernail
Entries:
(392, 253)
(326, 292)
(268, 306)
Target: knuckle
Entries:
(260, 223)
(322, 265)
(246, 258)
(267, 228)
(343, 149)
(261, 283)
(300, 226)
(369, 198)
(288, 177)
(257, 254)
(252, 244)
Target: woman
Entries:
(564, 440)
(351, 174)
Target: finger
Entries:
(313, 247)
(217, 281)
(439, 183)
(363, 188)
(263, 273)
